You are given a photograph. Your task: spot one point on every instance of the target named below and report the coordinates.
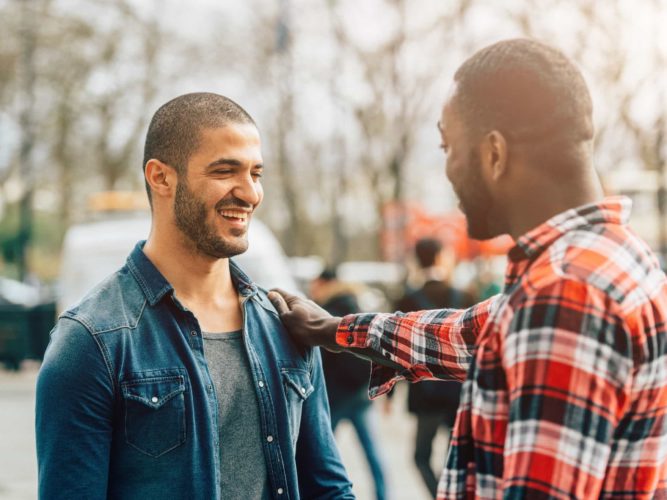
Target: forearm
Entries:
(419, 345)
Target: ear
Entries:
(160, 177)
(494, 154)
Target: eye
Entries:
(257, 174)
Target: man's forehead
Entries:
(231, 131)
(239, 142)
(446, 112)
(451, 92)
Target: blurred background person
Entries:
(347, 376)
(434, 403)
(485, 283)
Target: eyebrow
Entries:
(230, 162)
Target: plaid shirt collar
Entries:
(611, 210)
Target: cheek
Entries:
(260, 192)
(220, 188)
(448, 168)
(451, 169)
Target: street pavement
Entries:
(18, 473)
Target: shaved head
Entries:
(526, 90)
(175, 129)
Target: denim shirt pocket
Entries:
(298, 387)
(154, 413)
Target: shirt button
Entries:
(193, 333)
(210, 388)
(350, 338)
(154, 399)
(303, 390)
(261, 384)
(280, 491)
(269, 439)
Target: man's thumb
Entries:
(278, 302)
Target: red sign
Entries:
(405, 223)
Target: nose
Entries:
(249, 190)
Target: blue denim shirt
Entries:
(126, 407)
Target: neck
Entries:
(434, 273)
(550, 199)
(195, 277)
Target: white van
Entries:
(94, 250)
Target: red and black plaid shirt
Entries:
(565, 392)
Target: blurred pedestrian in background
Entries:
(347, 376)
(485, 283)
(433, 402)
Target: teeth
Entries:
(234, 214)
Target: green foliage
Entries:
(44, 241)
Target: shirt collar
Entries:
(155, 286)
(611, 210)
(242, 281)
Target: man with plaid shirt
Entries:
(565, 392)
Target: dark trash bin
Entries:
(14, 335)
(24, 332)
(42, 320)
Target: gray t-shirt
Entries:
(242, 464)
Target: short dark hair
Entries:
(427, 250)
(175, 129)
(328, 274)
(526, 90)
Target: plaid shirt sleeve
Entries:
(568, 363)
(427, 344)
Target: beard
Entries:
(482, 216)
(190, 215)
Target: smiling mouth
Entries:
(234, 216)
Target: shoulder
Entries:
(115, 303)
(70, 336)
(605, 259)
(270, 333)
(262, 298)
(73, 356)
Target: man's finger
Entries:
(287, 297)
(278, 302)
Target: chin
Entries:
(236, 246)
(481, 232)
(223, 248)
(478, 235)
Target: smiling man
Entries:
(565, 385)
(173, 378)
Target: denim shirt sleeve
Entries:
(321, 471)
(74, 412)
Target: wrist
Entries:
(327, 333)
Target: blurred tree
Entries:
(345, 92)
(101, 81)
(376, 106)
(97, 67)
(400, 95)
